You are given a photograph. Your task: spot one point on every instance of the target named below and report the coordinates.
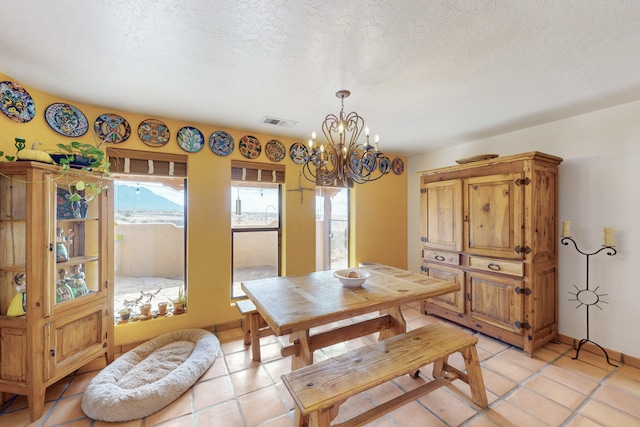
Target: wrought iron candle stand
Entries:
(589, 297)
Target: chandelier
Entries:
(342, 160)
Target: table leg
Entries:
(304, 357)
(399, 325)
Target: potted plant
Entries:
(87, 157)
(180, 303)
(126, 310)
(83, 156)
(144, 302)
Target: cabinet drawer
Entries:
(452, 258)
(513, 268)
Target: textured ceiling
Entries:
(423, 74)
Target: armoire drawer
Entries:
(513, 268)
(451, 258)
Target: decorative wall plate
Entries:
(190, 139)
(476, 158)
(299, 153)
(368, 161)
(112, 128)
(153, 132)
(16, 103)
(66, 119)
(397, 166)
(385, 164)
(275, 150)
(221, 143)
(250, 147)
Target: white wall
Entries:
(599, 181)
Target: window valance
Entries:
(257, 172)
(124, 161)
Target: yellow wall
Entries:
(379, 213)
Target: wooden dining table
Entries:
(293, 305)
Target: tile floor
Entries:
(549, 389)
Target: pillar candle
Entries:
(608, 236)
(566, 228)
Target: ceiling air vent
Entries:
(278, 122)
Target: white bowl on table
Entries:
(352, 277)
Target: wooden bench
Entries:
(319, 389)
(253, 326)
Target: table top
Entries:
(295, 303)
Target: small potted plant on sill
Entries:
(144, 303)
(180, 303)
(126, 310)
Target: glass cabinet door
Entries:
(76, 242)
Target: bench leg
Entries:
(254, 333)
(321, 418)
(474, 374)
(300, 420)
(246, 328)
(438, 367)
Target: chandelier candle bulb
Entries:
(608, 236)
(566, 228)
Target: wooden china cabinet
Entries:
(491, 226)
(64, 254)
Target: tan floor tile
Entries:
(545, 354)
(522, 359)
(497, 383)
(132, 423)
(21, 417)
(618, 399)
(212, 392)
(384, 392)
(240, 361)
(233, 334)
(277, 368)
(624, 382)
(285, 420)
(557, 392)
(606, 415)
(251, 379)
(545, 409)
(65, 409)
(506, 414)
(491, 345)
(415, 415)
(354, 406)
(507, 369)
(583, 368)
(484, 421)
(570, 379)
(558, 347)
(261, 405)
(79, 383)
(179, 407)
(285, 396)
(227, 411)
(448, 407)
(217, 369)
(580, 421)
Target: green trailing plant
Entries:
(94, 160)
(97, 158)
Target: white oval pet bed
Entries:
(151, 376)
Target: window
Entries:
(255, 230)
(332, 228)
(150, 224)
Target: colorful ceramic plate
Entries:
(299, 153)
(476, 158)
(16, 103)
(275, 150)
(153, 132)
(385, 164)
(66, 119)
(112, 128)
(221, 143)
(368, 161)
(397, 166)
(190, 139)
(250, 147)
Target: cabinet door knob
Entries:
(494, 267)
(439, 258)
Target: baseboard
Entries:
(613, 354)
